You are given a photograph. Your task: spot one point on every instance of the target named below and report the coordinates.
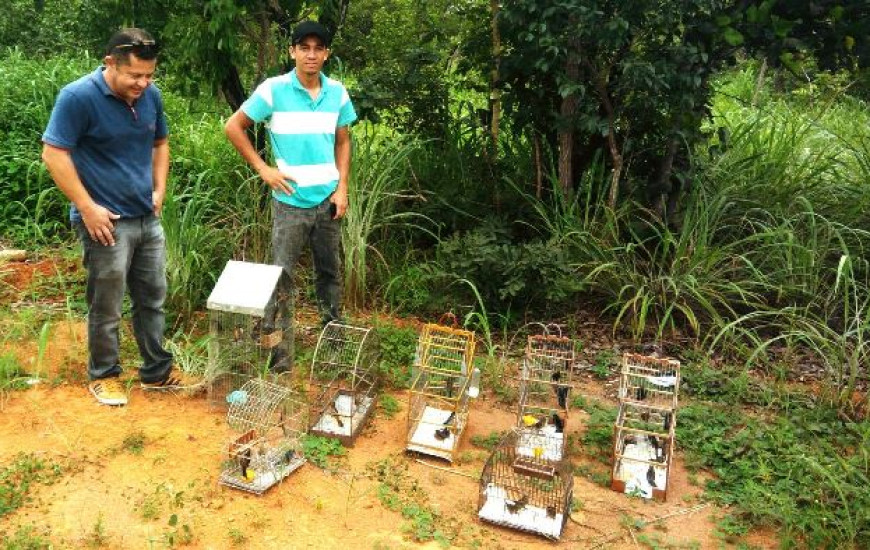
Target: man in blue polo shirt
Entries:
(307, 116)
(107, 150)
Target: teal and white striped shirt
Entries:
(302, 133)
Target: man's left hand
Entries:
(339, 199)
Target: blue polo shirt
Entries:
(302, 133)
(111, 142)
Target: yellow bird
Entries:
(529, 420)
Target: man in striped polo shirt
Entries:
(307, 116)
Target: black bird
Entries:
(289, 455)
(558, 422)
(651, 476)
(654, 441)
(450, 418)
(541, 423)
(442, 433)
(517, 505)
(244, 459)
(561, 390)
(551, 511)
(667, 422)
(449, 386)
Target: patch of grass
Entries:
(320, 450)
(17, 479)
(97, 537)
(398, 346)
(487, 442)
(12, 375)
(177, 534)
(26, 538)
(389, 406)
(134, 443)
(237, 536)
(603, 365)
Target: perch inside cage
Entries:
(267, 424)
(649, 381)
(522, 493)
(545, 383)
(642, 451)
(344, 381)
(250, 327)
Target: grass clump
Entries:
(17, 479)
(320, 450)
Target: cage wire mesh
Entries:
(250, 328)
(644, 432)
(442, 383)
(544, 388)
(266, 422)
(514, 495)
(343, 382)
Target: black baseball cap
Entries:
(310, 28)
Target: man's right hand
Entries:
(98, 221)
(276, 179)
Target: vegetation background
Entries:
(697, 172)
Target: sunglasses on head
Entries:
(139, 48)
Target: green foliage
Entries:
(26, 538)
(487, 442)
(398, 346)
(319, 450)
(389, 406)
(16, 479)
(134, 443)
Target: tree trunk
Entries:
(567, 112)
(495, 92)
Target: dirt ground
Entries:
(145, 476)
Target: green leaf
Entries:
(733, 36)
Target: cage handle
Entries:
(449, 315)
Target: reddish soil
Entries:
(111, 496)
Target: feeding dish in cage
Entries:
(649, 381)
(265, 447)
(344, 381)
(247, 309)
(520, 497)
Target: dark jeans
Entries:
(136, 262)
(292, 229)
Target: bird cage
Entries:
(445, 347)
(344, 381)
(512, 495)
(545, 382)
(649, 381)
(441, 387)
(267, 424)
(247, 310)
(643, 449)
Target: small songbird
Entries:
(333, 411)
(517, 505)
(450, 418)
(651, 476)
(442, 433)
(558, 422)
(654, 441)
(640, 393)
(667, 423)
(289, 456)
(561, 390)
(530, 420)
(551, 511)
(244, 459)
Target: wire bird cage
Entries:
(513, 495)
(545, 382)
(344, 381)
(250, 327)
(649, 381)
(441, 387)
(267, 424)
(644, 433)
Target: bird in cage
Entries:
(518, 504)
(443, 433)
(641, 393)
(551, 511)
(667, 422)
(654, 441)
(333, 412)
(244, 460)
(560, 389)
(558, 423)
(651, 476)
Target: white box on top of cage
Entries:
(245, 287)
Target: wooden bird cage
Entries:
(443, 382)
(649, 381)
(250, 328)
(643, 450)
(544, 387)
(524, 494)
(344, 381)
(265, 447)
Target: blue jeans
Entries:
(292, 229)
(136, 262)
